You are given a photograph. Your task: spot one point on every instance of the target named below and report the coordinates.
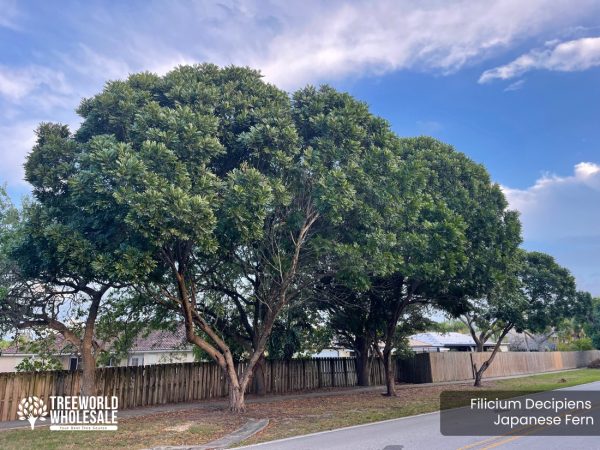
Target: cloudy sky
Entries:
(512, 83)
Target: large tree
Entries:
(63, 262)
(225, 182)
(442, 232)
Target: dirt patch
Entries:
(180, 428)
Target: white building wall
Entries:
(158, 357)
(9, 362)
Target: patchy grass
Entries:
(289, 416)
(549, 381)
(181, 428)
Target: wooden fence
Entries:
(456, 366)
(172, 383)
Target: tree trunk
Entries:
(88, 363)
(88, 359)
(260, 382)
(236, 389)
(363, 366)
(390, 382)
(479, 372)
(237, 403)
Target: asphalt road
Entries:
(423, 432)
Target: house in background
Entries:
(447, 342)
(158, 347)
(334, 352)
(17, 352)
(527, 342)
(149, 348)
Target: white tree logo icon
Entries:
(32, 409)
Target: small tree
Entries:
(537, 294)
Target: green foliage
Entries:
(9, 219)
(538, 296)
(592, 326)
(581, 344)
(298, 333)
(431, 229)
(448, 326)
(39, 364)
(45, 355)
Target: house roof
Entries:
(149, 340)
(416, 343)
(450, 339)
(59, 346)
(161, 340)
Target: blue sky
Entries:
(513, 84)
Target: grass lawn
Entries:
(288, 417)
(142, 432)
(549, 381)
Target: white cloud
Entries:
(295, 43)
(560, 215)
(390, 35)
(19, 83)
(16, 140)
(560, 207)
(517, 85)
(569, 56)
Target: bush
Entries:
(595, 364)
(577, 345)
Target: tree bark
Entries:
(260, 382)
(88, 376)
(237, 402)
(363, 366)
(390, 382)
(479, 371)
(401, 303)
(88, 359)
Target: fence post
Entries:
(319, 375)
(332, 367)
(346, 372)
(303, 374)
